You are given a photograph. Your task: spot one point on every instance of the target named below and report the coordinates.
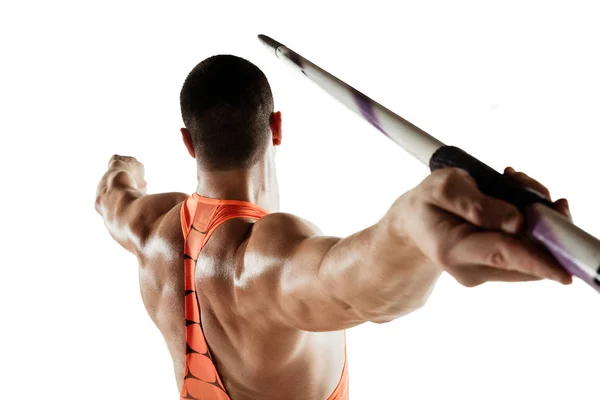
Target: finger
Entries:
(113, 158)
(474, 275)
(456, 192)
(562, 206)
(499, 275)
(528, 181)
(508, 253)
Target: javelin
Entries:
(577, 251)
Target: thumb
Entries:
(562, 206)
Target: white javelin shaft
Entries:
(576, 250)
(410, 137)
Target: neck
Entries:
(257, 185)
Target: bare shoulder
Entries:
(285, 236)
(169, 229)
(289, 239)
(165, 240)
(280, 228)
(283, 251)
(272, 242)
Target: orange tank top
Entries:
(200, 217)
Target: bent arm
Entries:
(131, 215)
(328, 283)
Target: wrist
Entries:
(401, 231)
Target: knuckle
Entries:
(498, 256)
(455, 173)
(441, 187)
(476, 213)
(444, 183)
(441, 174)
(451, 175)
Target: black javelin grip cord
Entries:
(576, 250)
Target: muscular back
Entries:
(275, 295)
(257, 354)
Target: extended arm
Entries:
(389, 269)
(329, 283)
(130, 214)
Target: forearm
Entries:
(130, 215)
(379, 272)
(115, 196)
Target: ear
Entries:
(187, 140)
(276, 127)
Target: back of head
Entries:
(226, 104)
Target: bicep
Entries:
(301, 298)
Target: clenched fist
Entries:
(474, 237)
(131, 165)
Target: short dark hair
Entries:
(226, 104)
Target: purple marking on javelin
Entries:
(367, 110)
(538, 229)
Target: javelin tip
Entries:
(267, 41)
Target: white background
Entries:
(514, 83)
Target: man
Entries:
(252, 302)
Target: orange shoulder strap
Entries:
(200, 217)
